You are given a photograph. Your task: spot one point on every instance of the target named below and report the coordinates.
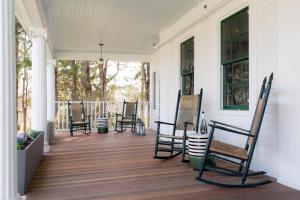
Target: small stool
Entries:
(102, 125)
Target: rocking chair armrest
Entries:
(165, 123)
(230, 126)
(118, 115)
(230, 130)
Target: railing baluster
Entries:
(95, 113)
(58, 116)
(63, 116)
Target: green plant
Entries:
(21, 144)
(32, 134)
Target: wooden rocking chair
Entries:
(77, 118)
(237, 156)
(186, 119)
(127, 118)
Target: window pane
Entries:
(236, 73)
(226, 51)
(188, 84)
(235, 26)
(225, 30)
(245, 46)
(235, 49)
(244, 22)
(187, 66)
(236, 84)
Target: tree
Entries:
(86, 78)
(23, 66)
(18, 31)
(104, 79)
(75, 68)
(145, 73)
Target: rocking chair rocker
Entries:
(186, 119)
(77, 118)
(228, 152)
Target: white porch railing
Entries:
(96, 108)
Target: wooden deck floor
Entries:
(120, 166)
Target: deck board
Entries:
(120, 166)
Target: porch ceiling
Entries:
(125, 27)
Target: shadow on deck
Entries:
(120, 166)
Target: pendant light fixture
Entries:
(101, 60)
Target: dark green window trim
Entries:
(235, 61)
(187, 66)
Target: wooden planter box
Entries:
(28, 161)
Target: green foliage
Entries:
(32, 134)
(21, 144)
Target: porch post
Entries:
(51, 89)
(8, 149)
(39, 83)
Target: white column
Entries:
(51, 89)
(8, 150)
(39, 83)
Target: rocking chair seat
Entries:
(80, 123)
(228, 149)
(125, 121)
(171, 136)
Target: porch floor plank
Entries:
(120, 166)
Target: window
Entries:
(235, 61)
(187, 66)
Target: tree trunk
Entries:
(86, 79)
(145, 74)
(24, 99)
(147, 83)
(56, 86)
(103, 82)
(74, 80)
(148, 92)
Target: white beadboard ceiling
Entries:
(124, 26)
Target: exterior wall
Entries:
(289, 95)
(263, 60)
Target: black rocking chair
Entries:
(233, 155)
(186, 119)
(77, 119)
(127, 118)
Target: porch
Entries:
(120, 166)
(187, 44)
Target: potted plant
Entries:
(30, 148)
